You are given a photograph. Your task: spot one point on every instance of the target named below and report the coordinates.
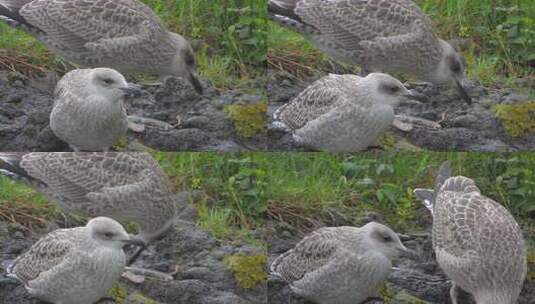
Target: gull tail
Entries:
(283, 13)
(10, 13)
(10, 167)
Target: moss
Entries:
(531, 265)
(404, 298)
(517, 119)
(386, 293)
(138, 298)
(248, 120)
(118, 293)
(248, 270)
(121, 144)
(387, 141)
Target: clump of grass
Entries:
(248, 120)
(517, 119)
(22, 205)
(248, 270)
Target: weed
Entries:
(517, 119)
(248, 120)
(248, 270)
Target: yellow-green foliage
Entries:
(386, 293)
(248, 270)
(517, 119)
(139, 299)
(118, 293)
(248, 120)
(531, 265)
(121, 144)
(387, 141)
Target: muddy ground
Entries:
(201, 278)
(410, 281)
(184, 120)
(463, 127)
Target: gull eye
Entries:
(109, 235)
(387, 238)
(108, 81)
(395, 89)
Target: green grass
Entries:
(230, 38)
(304, 188)
(500, 33)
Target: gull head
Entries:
(391, 91)
(109, 233)
(183, 63)
(111, 85)
(383, 239)
(450, 71)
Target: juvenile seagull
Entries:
(379, 35)
(477, 241)
(340, 265)
(76, 265)
(88, 111)
(122, 34)
(343, 113)
(123, 186)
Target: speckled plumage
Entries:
(477, 242)
(123, 186)
(344, 113)
(73, 266)
(122, 34)
(339, 265)
(88, 113)
(379, 35)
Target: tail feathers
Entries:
(10, 13)
(295, 25)
(284, 8)
(10, 167)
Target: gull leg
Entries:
(454, 293)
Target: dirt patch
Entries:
(463, 127)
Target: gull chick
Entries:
(379, 35)
(344, 113)
(88, 111)
(340, 265)
(74, 266)
(477, 242)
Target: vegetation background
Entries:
(497, 38)
(305, 189)
(229, 37)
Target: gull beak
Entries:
(407, 253)
(195, 82)
(133, 240)
(133, 90)
(413, 95)
(462, 88)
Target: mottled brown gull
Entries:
(340, 265)
(343, 113)
(123, 186)
(74, 266)
(477, 242)
(379, 35)
(122, 34)
(88, 111)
